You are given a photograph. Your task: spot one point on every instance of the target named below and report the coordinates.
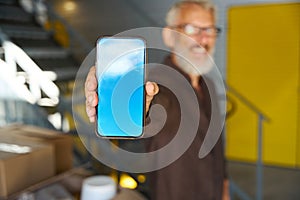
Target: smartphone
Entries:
(120, 64)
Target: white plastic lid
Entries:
(98, 188)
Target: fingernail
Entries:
(152, 87)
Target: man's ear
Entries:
(168, 37)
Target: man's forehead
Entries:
(193, 13)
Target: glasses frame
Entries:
(200, 30)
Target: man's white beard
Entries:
(195, 67)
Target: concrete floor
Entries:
(278, 183)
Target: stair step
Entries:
(65, 73)
(45, 52)
(29, 32)
(26, 43)
(65, 68)
(14, 13)
(51, 62)
(19, 23)
(8, 2)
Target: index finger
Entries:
(91, 81)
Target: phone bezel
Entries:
(144, 80)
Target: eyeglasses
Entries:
(190, 29)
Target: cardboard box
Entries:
(23, 163)
(63, 143)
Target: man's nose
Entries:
(202, 38)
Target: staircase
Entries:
(23, 29)
(47, 60)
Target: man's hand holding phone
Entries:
(91, 96)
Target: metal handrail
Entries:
(247, 102)
(38, 80)
(261, 118)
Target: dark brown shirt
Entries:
(189, 177)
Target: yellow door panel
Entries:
(263, 65)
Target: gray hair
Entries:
(174, 11)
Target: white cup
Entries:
(98, 188)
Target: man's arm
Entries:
(226, 191)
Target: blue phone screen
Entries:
(120, 73)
